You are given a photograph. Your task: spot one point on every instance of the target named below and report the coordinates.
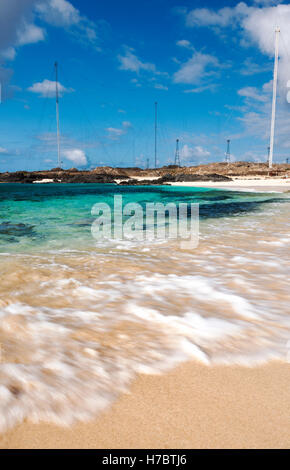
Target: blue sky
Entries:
(208, 64)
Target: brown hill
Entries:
(109, 175)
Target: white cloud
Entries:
(14, 14)
(252, 93)
(222, 17)
(267, 2)
(17, 26)
(48, 138)
(70, 148)
(184, 43)
(257, 123)
(29, 34)
(47, 89)
(194, 153)
(135, 82)
(196, 69)
(126, 124)
(58, 12)
(116, 132)
(252, 68)
(8, 54)
(3, 151)
(159, 86)
(131, 62)
(201, 89)
(260, 24)
(77, 156)
(18, 20)
(5, 77)
(62, 14)
(257, 26)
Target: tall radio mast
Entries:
(177, 154)
(155, 156)
(57, 116)
(277, 31)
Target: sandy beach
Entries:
(193, 406)
(271, 184)
(238, 183)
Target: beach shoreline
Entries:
(219, 172)
(245, 184)
(225, 303)
(192, 406)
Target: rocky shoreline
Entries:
(213, 172)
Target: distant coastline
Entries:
(232, 175)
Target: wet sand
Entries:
(193, 406)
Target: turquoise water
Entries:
(58, 216)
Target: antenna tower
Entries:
(228, 154)
(277, 31)
(156, 115)
(177, 154)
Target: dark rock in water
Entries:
(83, 222)
(179, 178)
(17, 230)
(133, 182)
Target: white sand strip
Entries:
(245, 184)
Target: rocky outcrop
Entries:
(57, 177)
(168, 178)
(211, 172)
(133, 182)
